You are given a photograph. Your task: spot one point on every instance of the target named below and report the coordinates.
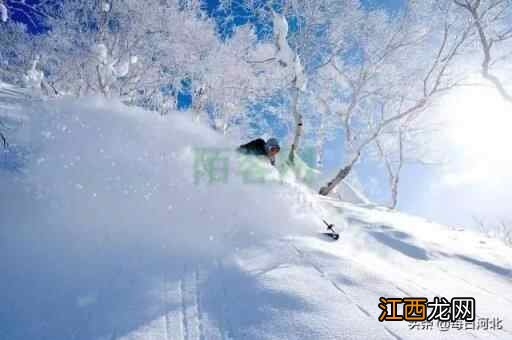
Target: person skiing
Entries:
(259, 147)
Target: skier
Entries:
(259, 147)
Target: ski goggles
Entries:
(274, 149)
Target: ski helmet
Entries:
(272, 143)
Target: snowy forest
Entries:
(381, 172)
(312, 69)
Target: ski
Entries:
(331, 232)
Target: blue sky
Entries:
(387, 4)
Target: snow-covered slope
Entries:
(110, 229)
(12, 98)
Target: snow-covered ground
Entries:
(110, 229)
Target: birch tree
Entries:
(227, 78)
(406, 145)
(492, 21)
(306, 34)
(402, 67)
(113, 48)
(17, 52)
(320, 34)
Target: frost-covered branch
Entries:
(491, 19)
(2, 136)
(500, 229)
(398, 89)
(34, 12)
(393, 170)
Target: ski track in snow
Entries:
(184, 321)
(472, 286)
(198, 305)
(307, 260)
(188, 322)
(191, 306)
(167, 317)
(224, 327)
(191, 323)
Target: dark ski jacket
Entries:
(256, 147)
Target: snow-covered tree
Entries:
(148, 52)
(395, 71)
(305, 35)
(4, 14)
(325, 66)
(226, 78)
(113, 48)
(34, 12)
(492, 22)
(17, 53)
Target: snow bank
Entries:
(104, 218)
(101, 170)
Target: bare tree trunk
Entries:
(394, 181)
(340, 176)
(299, 123)
(486, 47)
(346, 170)
(394, 175)
(320, 153)
(101, 83)
(4, 140)
(197, 105)
(321, 135)
(2, 136)
(396, 178)
(225, 126)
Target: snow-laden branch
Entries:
(4, 14)
(483, 27)
(367, 91)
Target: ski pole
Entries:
(329, 226)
